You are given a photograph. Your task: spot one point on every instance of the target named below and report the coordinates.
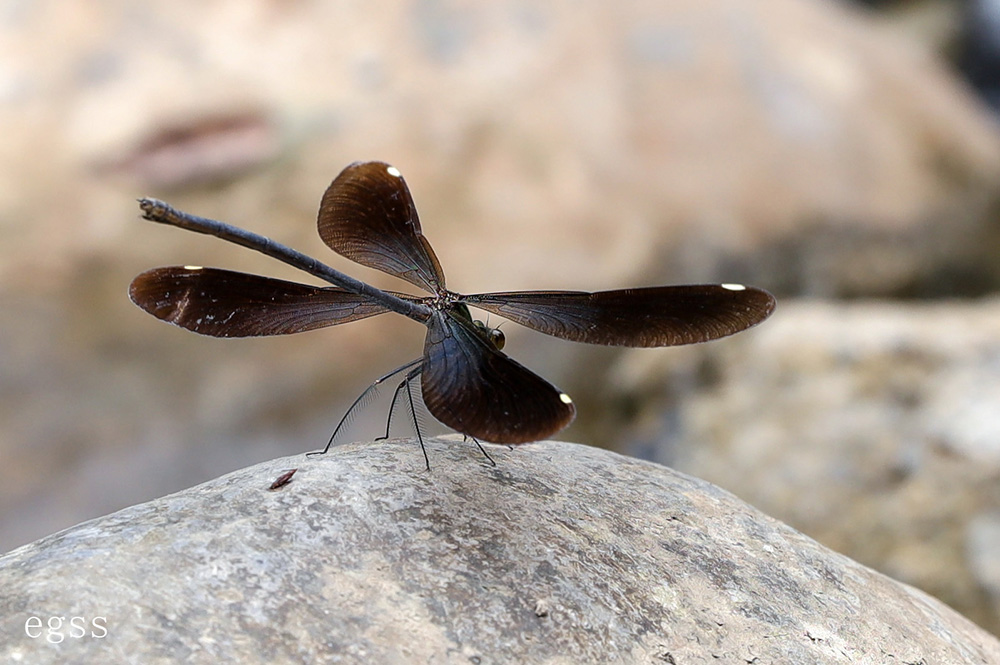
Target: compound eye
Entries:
(497, 338)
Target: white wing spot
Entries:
(565, 399)
(193, 268)
(394, 172)
(734, 287)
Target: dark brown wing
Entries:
(367, 215)
(471, 387)
(223, 303)
(657, 316)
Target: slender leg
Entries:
(466, 437)
(392, 408)
(362, 400)
(483, 451)
(413, 414)
(406, 384)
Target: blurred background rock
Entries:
(844, 157)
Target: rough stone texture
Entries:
(559, 554)
(873, 427)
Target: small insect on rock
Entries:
(283, 479)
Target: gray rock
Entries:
(873, 427)
(559, 554)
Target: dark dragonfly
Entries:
(467, 383)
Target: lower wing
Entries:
(475, 389)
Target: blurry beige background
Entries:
(811, 147)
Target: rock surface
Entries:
(559, 554)
(873, 427)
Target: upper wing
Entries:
(368, 215)
(223, 303)
(475, 389)
(656, 316)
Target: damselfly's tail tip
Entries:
(152, 209)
